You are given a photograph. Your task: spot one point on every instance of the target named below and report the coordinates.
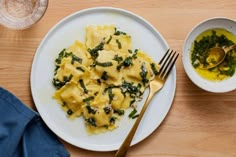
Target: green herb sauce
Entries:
(200, 49)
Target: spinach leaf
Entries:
(94, 52)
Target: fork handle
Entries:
(125, 145)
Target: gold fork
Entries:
(166, 64)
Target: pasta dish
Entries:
(102, 77)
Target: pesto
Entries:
(132, 102)
(69, 112)
(63, 103)
(55, 70)
(134, 54)
(154, 69)
(61, 55)
(143, 74)
(94, 52)
(200, 53)
(117, 32)
(113, 120)
(119, 44)
(126, 63)
(58, 84)
(104, 76)
(118, 58)
(80, 68)
(135, 116)
(67, 79)
(110, 95)
(76, 59)
(132, 113)
(91, 121)
(130, 88)
(90, 110)
(107, 109)
(82, 85)
(87, 100)
(107, 88)
(109, 40)
(104, 64)
(99, 81)
(119, 112)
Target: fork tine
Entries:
(168, 62)
(162, 59)
(162, 69)
(171, 66)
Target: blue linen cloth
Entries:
(23, 133)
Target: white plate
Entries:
(144, 37)
(211, 86)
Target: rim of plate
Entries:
(89, 10)
(210, 86)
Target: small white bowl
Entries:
(211, 86)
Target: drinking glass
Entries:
(21, 14)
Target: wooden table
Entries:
(199, 124)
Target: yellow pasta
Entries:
(100, 79)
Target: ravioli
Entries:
(96, 34)
(102, 77)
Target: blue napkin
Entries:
(23, 133)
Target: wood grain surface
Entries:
(199, 124)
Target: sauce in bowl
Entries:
(200, 56)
